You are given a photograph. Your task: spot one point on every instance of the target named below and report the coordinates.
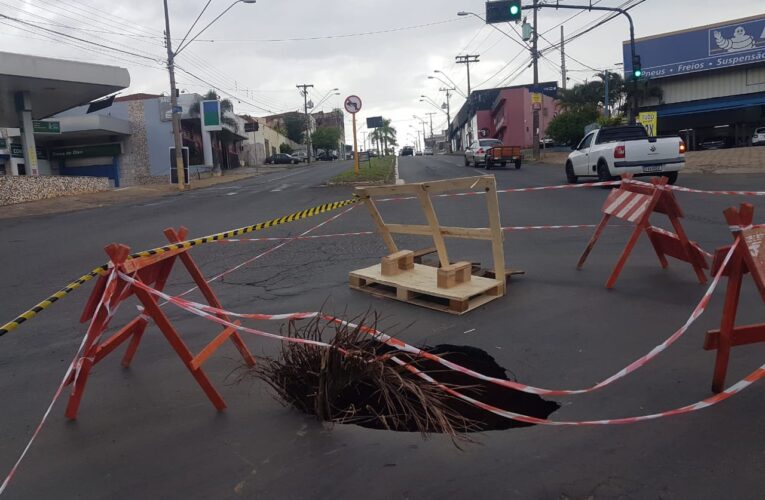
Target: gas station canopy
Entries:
(54, 85)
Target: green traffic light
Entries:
(514, 10)
(638, 73)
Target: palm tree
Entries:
(385, 136)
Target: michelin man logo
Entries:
(740, 40)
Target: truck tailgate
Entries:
(505, 152)
(652, 153)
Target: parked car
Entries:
(718, 142)
(326, 156)
(475, 154)
(300, 155)
(428, 151)
(282, 159)
(407, 151)
(758, 139)
(611, 151)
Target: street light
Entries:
(176, 120)
(323, 99)
(452, 82)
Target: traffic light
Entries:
(637, 68)
(503, 11)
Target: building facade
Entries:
(705, 83)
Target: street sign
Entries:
(95, 151)
(374, 122)
(536, 98)
(46, 127)
(18, 152)
(353, 104)
(251, 127)
(650, 120)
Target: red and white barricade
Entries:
(635, 202)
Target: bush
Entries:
(285, 148)
(568, 127)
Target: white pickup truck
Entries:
(611, 151)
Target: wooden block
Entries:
(357, 282)
(395, 263)
(403, 294)
(459, 306)
(454, 274)
(419, 254)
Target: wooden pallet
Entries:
(419, 287)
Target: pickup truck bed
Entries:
(502, 155)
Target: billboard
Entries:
(211, 116)
(723, 45)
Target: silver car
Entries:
(476, 154)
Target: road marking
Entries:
(280, 188)
(231, 193)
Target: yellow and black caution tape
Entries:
(74, 285)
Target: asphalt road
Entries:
(149, 432)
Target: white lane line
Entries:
(280, 188)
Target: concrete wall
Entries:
(19, 189)
(159, 136)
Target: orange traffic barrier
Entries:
(110, 291)
(635, 202)
(748, 257)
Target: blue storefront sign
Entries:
(722, 45)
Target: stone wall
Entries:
(22, 188)
(733, 160)
(134, 162)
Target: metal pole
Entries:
(431, 123)
(305, 88)
(355, 148)
(535, 55)
(607, 100)
(563, 58)
(174, 104)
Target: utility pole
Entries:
(448, 117)
(304, 90)
(606, 101)
(176, 117)
(563, 58)
(535, 56)
(431, 123)
(467, 59)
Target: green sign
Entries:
(3, 144)
(86, 151)
(41, 127)
(18, 152)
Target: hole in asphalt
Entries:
(359, 381)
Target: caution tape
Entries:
(713, 192)
(212, 313)
(74, 285)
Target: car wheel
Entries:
(671, 177)
(570, 177)
(517, 164)
(488, 165)
(467, 162)
(603, 174)
(503, 164)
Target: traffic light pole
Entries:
(623, 12)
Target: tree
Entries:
(285, 148)
(385, 136)
(326, 138)
(295, 127)
(568, 127)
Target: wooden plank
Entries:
(213, 346)
(466, 233)
(497, 246)
(396, 263)
(741, 335)
(432, 187)
(423, 279)
(430, 215)
(381, 226)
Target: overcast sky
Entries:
(256, 54)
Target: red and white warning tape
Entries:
(211, 312)
(713, 192)
(73, 368)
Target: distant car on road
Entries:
(326, 156)
(407, 151)
(428, 151)
(758, 139)
(300, 155)
(282, 159)
(475, 154)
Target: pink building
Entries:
(512, 117)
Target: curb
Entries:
(399, 180)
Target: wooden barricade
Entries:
(152, 271)
(449, 287)
(634, 202)
(748, 257)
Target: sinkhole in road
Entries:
(356, 379)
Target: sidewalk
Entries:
(129, 194)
